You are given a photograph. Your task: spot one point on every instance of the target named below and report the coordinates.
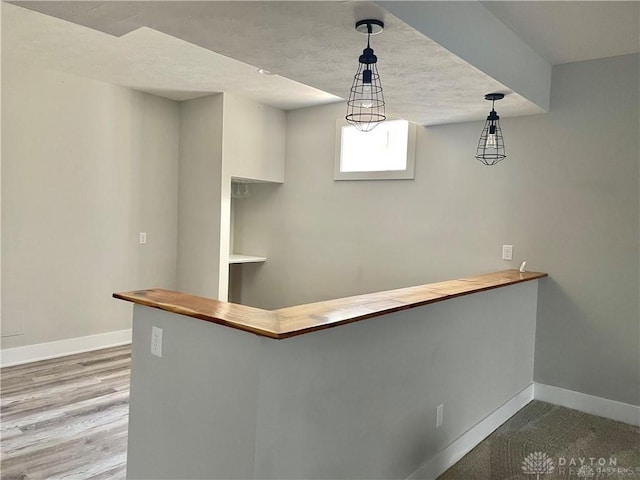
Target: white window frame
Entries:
(406, 174)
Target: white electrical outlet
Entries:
(143, 238)
(156, 341)
(507, 252)
(439, 415)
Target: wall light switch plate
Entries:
(143, 238)
(156, 341)
(507, 252)
(439, 415)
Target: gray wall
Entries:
(356, 401)
(86, 166)
(200, 186)
(566, 198)
(221, 136)
(253, 140)
(192, 411)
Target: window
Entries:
(386, 152)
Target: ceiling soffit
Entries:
(315, 44)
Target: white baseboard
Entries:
(445, 459)
(602, 407)
(70, 346)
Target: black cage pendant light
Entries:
(365, 107)
(491, 145)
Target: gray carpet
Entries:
(547, 442)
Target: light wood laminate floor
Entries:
(66, 418)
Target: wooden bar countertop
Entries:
(300, 319)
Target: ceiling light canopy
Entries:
(491, 144)
(365, 107)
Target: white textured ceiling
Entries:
(183, 50)
(145, 60)
(568, 31)
(312, 43)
